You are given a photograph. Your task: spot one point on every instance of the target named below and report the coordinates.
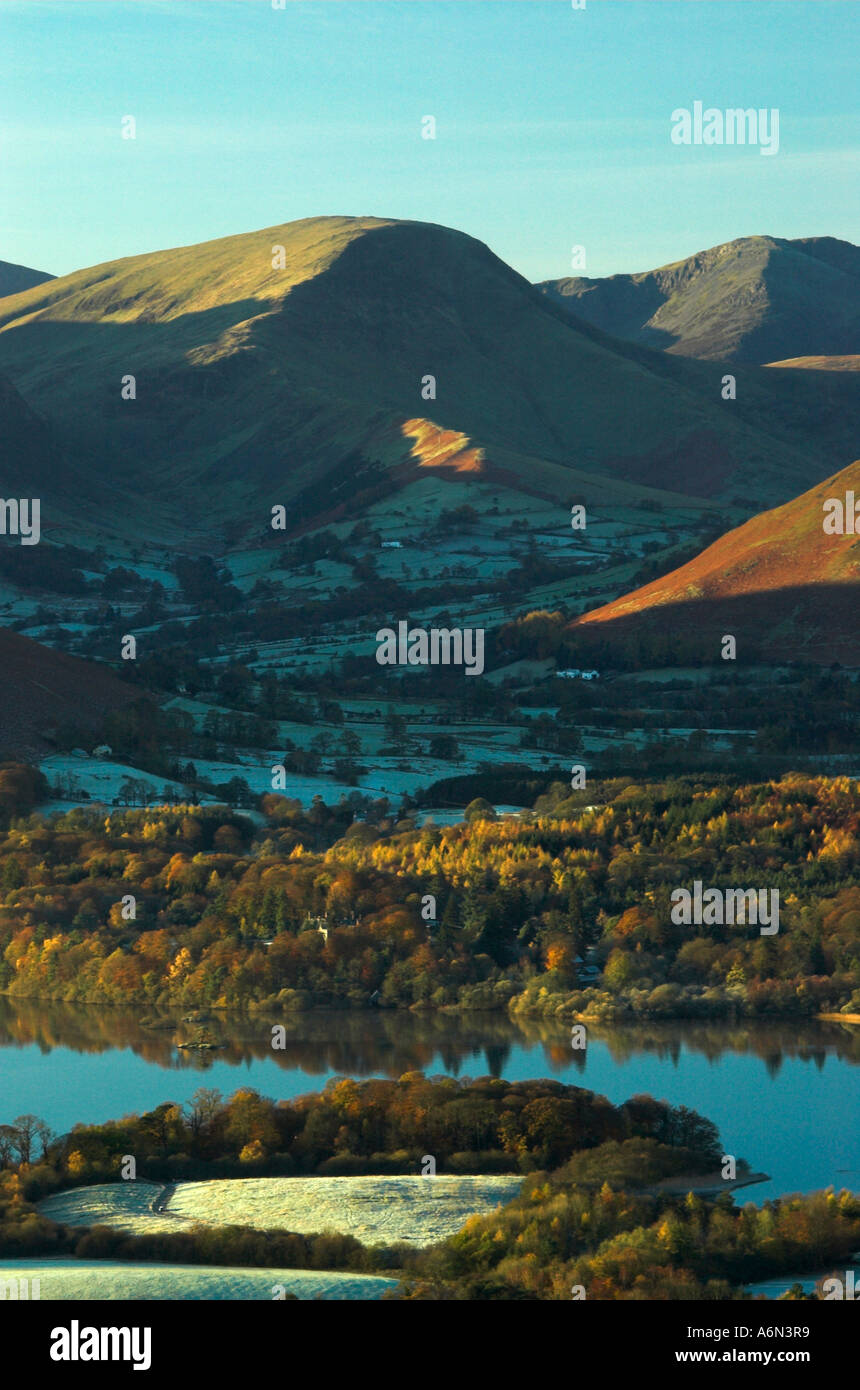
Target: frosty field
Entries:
(376, 1210)
(103, 1279)
(126, 1206)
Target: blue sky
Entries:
(552, 123)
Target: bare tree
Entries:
(27, 1129)
(202, 1109)
(8, 1145)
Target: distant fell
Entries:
(15, 278)
(757, 299)
(285, 366)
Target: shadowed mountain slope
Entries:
(33, 460)
(757, 299)
(285, 366)
(15, 278)
(41, 690)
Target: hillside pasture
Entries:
(376, 1210)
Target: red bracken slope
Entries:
(41, 690)
(779, 583)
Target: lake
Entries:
(785, 1096)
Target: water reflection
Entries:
(784, 1095)
(390, 1042)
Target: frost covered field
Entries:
(104, 1279)
(376, 1210)
(125, 1205)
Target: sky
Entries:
(553, 124)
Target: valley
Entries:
(429, 676)
(249, 817)
(249, 612)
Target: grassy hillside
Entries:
(257, 385)
(42, 690)
(779, 583)
(33, 459)
(848, 363)
(376, 1210)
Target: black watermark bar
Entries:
(150, 1339)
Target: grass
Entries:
(376, 1210)
(125, 1205)
(262, 346)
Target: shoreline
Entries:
(253, 1008)
(705, 1184)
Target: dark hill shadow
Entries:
(806, 623)
(42, 690)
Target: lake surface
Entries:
(785, 1096)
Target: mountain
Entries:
(15, 278)
(35, 463)
(757, 299)
(41, 690)
(848, 363)
(780, 584)
(293, 366)
(25, 445)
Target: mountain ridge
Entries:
(282, 365)
(16, 278)
(755, 299)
